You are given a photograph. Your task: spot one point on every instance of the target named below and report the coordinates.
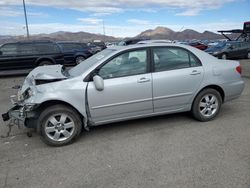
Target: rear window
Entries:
(46, 48)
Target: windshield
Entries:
(86, 64)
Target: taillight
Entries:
(238, 69)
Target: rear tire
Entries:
(224, 56)
(59, 125)
(43, 63)
(206, 105)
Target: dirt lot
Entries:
(166, 151)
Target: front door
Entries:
(127, 89)
(8, 57)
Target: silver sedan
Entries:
(122, 83)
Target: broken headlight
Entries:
(24, 95)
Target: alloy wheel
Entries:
(59, 127)
(208, 105)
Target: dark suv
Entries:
(29, 54)
(74, 52)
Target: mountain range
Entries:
(157, 33)
(188, 34)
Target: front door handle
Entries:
(195, 72)
(143, 79)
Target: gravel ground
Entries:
(165, 151)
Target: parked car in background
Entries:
(99, 43)
(29, 54)
(74, 52)
(230, 50)
(93, 48)
(198, 45)
(123, 83)
(127, 42)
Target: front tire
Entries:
(43, 63)
(79, 59)
(206, 105)
(59, 125)
(248, 55)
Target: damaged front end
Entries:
(25, 103)
(21, 110)
(19, 114)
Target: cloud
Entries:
(90, 20)
(11, 12)
(110, 6)
(193, 12)
(138, 21)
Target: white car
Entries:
(123, 83)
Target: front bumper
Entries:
(20, 112)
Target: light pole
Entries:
(103, 27)
(26, 20)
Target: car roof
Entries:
(30, 42)
(133, 46)
(67, 42)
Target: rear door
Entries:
(127, 88)
(177, 76)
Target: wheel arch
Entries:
(215, 87)
(49, 103)
(39, 60)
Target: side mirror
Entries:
(98, 82)
(1, 53)
(231, 47)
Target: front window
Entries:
(91, 61)
(126, 64)
(9, 49)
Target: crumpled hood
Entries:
(44, 73)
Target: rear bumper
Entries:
(233, 90)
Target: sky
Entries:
(121, 18)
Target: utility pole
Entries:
(26, 20)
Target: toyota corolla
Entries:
(123, 83)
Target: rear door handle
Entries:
(195, 72)
(143, 79)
